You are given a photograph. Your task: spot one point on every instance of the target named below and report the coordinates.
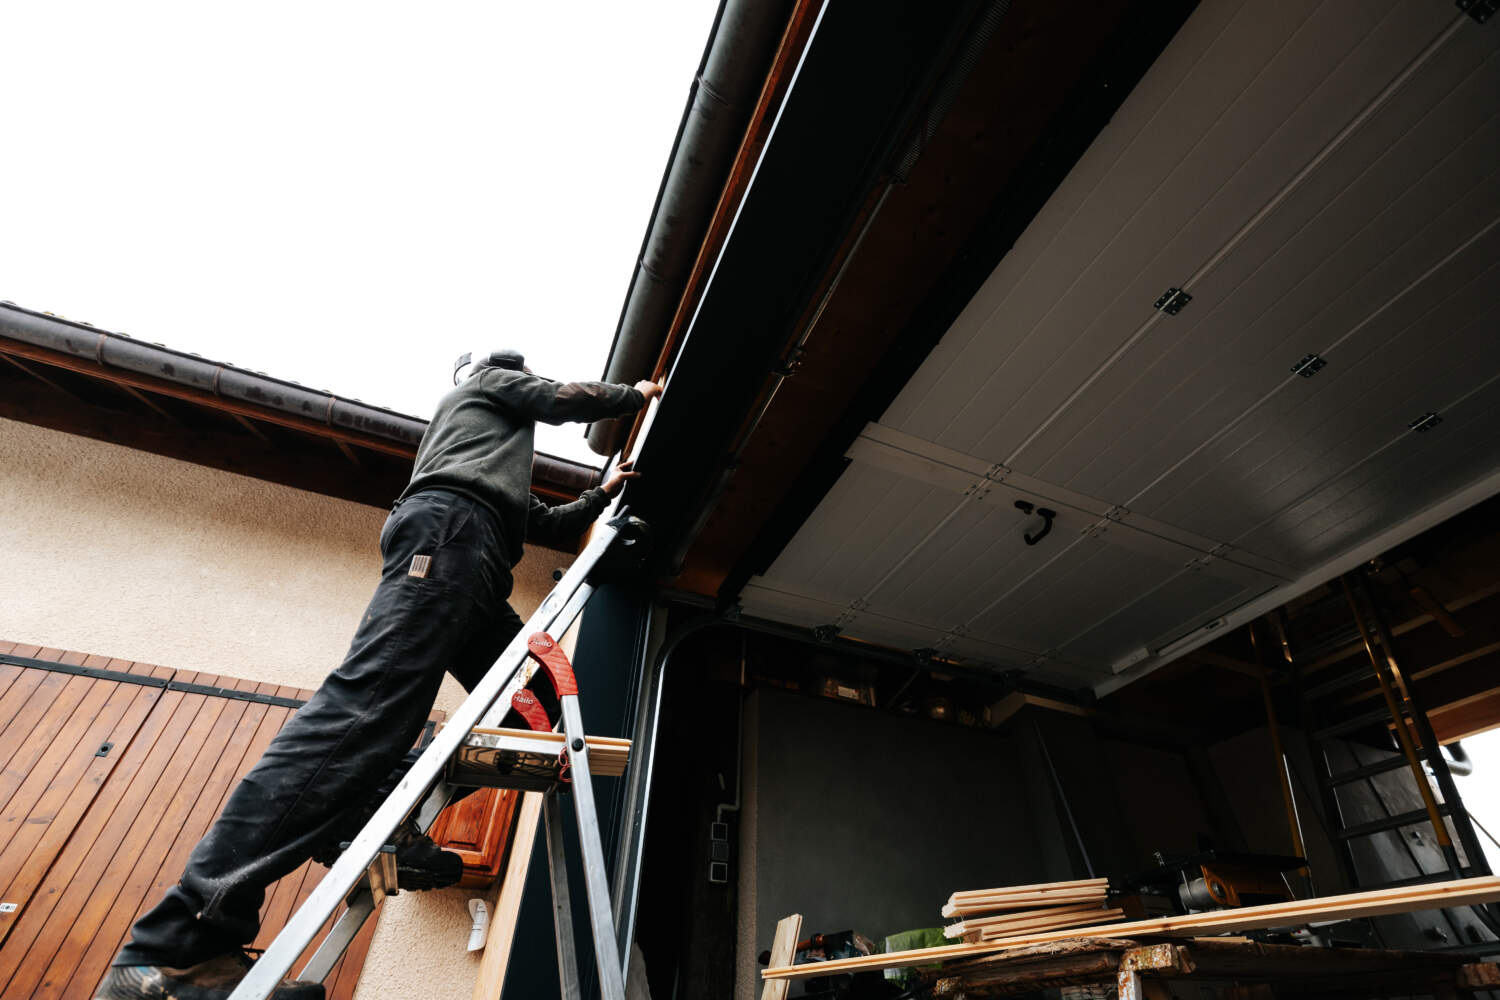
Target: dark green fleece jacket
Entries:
(479, 443)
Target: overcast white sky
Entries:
(345, 195)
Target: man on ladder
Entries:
(448, 547)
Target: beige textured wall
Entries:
(118, 552)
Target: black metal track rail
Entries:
(145, 681)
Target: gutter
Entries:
(744, 38)
(121, 359)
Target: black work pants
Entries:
(349, 744)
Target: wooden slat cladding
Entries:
(89, 842)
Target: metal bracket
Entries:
(826, 633)
(1309, 365)
(1425, 422)
(1172, 301)
(1480, 10)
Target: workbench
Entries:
(1239, 968)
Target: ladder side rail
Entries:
(595, 877)
(340, 937)
(1462, 825)
(1403, 736)
(267, 973)
(562, 900)
(1333, 812)
(501, 707)
(361, 905)
(1456, 812)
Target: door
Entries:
(110, 777)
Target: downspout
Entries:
(733, 68)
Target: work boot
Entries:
(214, 979)
(420, 863)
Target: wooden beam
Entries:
(147, 402)
(1343, 653)
(246, 423)
(349, 453)
(1459, 722)
(31, 371)
(1405, 899)
(497, 943)
(783, 952)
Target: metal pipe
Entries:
(1458, 761)
(739, 741)
(1062, 798)
(1298, 847)
(1403, 737)
(744, 38)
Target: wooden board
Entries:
(971, 895)
(1405, 899)
(1031, 920)
(1020, 919)
(783, 951)
(1095, 919)
(1024, 901)
(497, 943)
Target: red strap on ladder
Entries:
(542, 648)
(524, 702)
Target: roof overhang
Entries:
(76, 378)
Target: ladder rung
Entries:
(1389, 823)
(1419, 880)
(1354, 723)
(1367, 771)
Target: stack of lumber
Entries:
(1377, 902)
(608, 755)
(1009, 911)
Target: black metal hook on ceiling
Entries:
(1045, 513)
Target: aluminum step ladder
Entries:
(1353, 749)
(458, 753)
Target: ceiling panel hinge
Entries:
(1172, 301)
(1309, 366)
(1480, 10)
(1425, 422)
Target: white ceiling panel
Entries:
(1158, 615)
(1127, 427)
(1321, 178)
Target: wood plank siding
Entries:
(105, 787)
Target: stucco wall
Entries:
(122, 553)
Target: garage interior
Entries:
(1096, 417)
